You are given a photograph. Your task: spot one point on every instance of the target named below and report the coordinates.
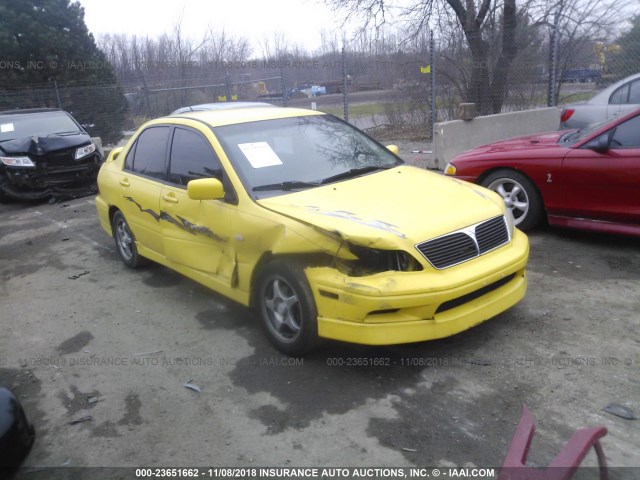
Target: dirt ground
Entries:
(83, 336)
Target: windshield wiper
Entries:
(354, 172)
(291, 185)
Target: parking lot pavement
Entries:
(83, 336)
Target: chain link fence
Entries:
(405, 89)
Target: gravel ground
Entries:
(82, 336)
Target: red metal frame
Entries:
(564, 466)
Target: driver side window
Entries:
(627, 134)
(191, 158)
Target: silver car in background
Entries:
(220, 106)
(618, 99)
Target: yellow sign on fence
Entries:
(426, 69)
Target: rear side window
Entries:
(191, 158)
(620, 95)
(150, 152)
(634, 92)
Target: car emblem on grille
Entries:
(471, 231)
(464, 244)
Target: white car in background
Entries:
(618, 99)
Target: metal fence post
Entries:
(432, 63)
(145, 91)
(283, 88)
(345, 95)
(552, 93)
(58, 99)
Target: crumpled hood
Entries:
(42, 145)
(392, 209)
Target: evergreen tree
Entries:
(50, 59)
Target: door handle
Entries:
(169, 198)
(125, 182)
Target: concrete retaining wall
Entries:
(454, 137)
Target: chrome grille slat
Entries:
(465, 244)
(491, 234)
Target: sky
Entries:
(301, 21)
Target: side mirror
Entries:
(603, 142)
(393, 149)
(205, 189)
(113, 154)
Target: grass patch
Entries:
(575, 97)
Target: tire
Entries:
(520, 196)
(286, 307)
(4, 198)
(125, 241)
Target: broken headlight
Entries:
(373, 260)
(17, 161)
(84, 151)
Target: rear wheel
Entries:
(125, 241)
(4, 198)
(520, 196)
(286, 307)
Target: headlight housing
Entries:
(450, 169)
(373, 260)
(511, 223)
(17, 161)
(86, 150)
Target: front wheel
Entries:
(125, 241)
(286, 307)
(519, 195)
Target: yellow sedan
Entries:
(322, 230)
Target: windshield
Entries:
(301, 152)
(36, 125)
(575, 137)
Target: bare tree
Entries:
(579, 24)
(481, 21)
(274, 48)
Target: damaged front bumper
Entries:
(403, 307)
(44, 181)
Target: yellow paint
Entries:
(220, 244)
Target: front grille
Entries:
(465, 244)
(491, 234)
(59, 158)
(449, 250)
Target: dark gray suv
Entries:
(45, 153)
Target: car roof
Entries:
(27, 111)
(606, 93)
(220, 106)
(217, 118)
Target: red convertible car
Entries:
(587, 179)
